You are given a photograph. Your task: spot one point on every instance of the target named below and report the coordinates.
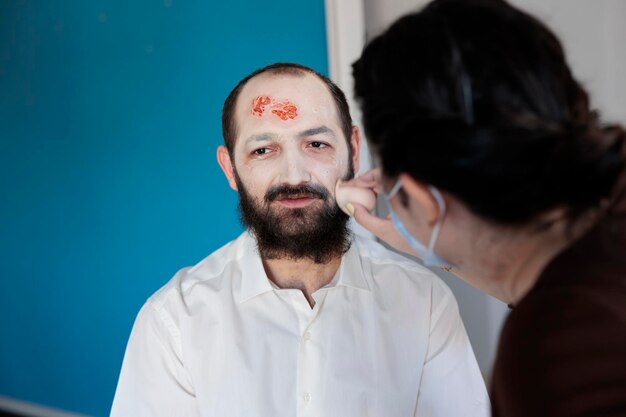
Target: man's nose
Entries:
(295, 170)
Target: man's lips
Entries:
(297, 201)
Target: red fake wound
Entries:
(285, 110)
(258, 105)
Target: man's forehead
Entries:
(305, 90)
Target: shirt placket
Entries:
(309, 353)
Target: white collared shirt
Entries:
(384, 339)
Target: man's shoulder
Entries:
(210, 271)
(401, 280)
(394, 265)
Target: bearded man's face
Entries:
(288, 155)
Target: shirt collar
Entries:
(351, 271)
(254, 280)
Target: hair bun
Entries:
(588, 162)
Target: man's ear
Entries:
(223, 158)
(421, 195)
(355, 144)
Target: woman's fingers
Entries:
(381, 227)
(351, 197)
(372, 175)
(369, 180)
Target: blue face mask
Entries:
(427, 255)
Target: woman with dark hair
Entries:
(495, 167)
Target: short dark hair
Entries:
(475, 97)
(229, 125)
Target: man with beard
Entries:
(296, 317)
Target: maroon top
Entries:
(562, 350)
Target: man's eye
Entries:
(318, 145)
(260, 151)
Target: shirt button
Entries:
(306, 336)
(307, 397)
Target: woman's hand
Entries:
(357, 197)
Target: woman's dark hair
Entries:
(476, 98)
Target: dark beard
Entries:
(313, 232)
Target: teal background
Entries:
(109, 121)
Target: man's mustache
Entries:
(303, 190)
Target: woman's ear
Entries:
(223, 158)
(421, 195)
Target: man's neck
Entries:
(301, 274)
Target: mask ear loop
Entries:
(441, 203)
(394, 190)
(435, 235)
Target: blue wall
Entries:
(109, 120)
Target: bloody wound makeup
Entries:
(282, 109)
(258, 105)
(285, 110)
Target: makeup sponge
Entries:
(345, 194)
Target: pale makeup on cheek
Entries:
(283, 109)
(293, 164)
(326, 173)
